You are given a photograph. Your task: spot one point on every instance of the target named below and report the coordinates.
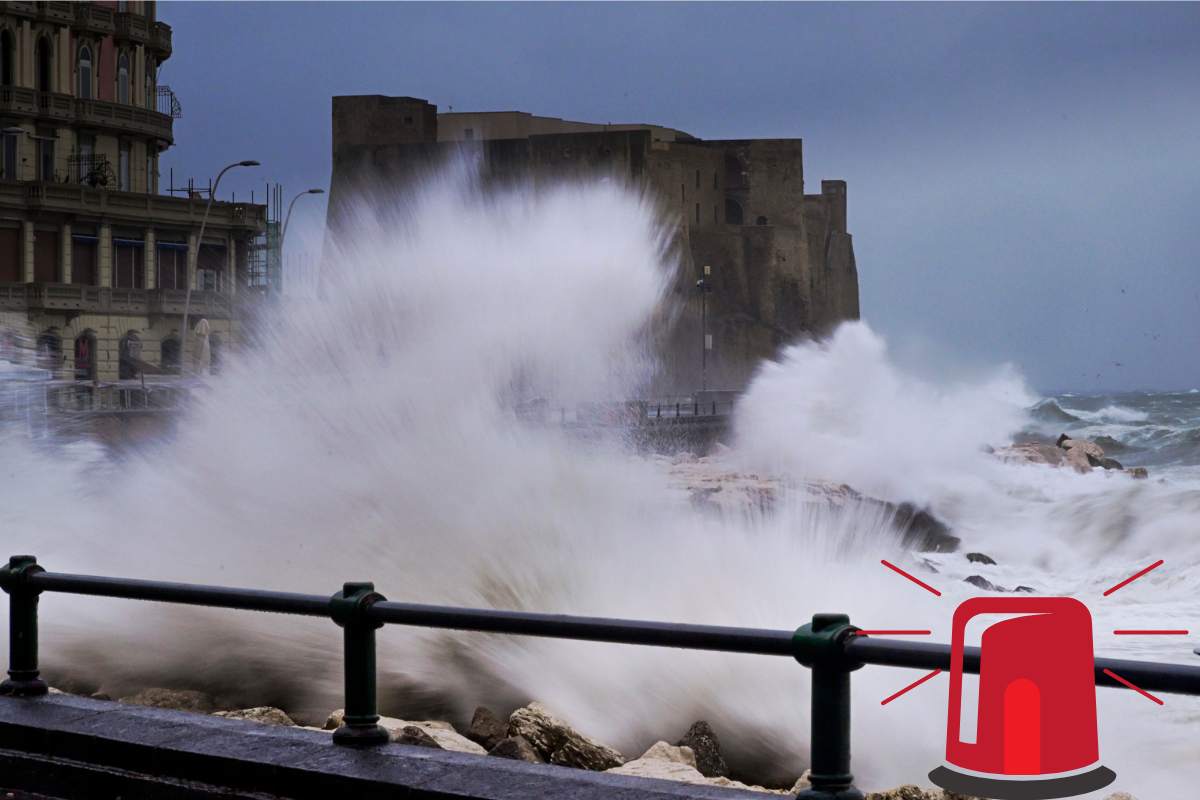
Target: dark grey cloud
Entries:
(1023, 178)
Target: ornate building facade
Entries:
(94, 261)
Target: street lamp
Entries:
(704, 287)
(187, 299)
(291, 205)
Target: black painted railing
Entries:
(829, 645)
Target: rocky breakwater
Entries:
(533, 733)
(1082, 455)
(715, 485)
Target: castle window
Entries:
(123, 79)
(760, 221)
(683, 194)
(408, 120)
(733, 212)
(85, 73)
(715, 186)
(697, 213)
(697, 179)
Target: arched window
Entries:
(123, 79)
(85, 73)
(150, 81)
(85, 356)
(45, 72)
(7, 54)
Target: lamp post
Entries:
(288, 218)
(187, 298)
(704, 287)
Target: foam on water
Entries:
(372, 435)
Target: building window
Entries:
(151, 80)
(716, 216)
(128, 269)
(697, 179)
(130, 356)
(468, 133)
(733, 211)
(171, 352)
(45, 158)
(123, 167)
(715, 186)
(697, 213)
(44, 65)
(85, 73)
(85, 356)
(7, 54)
(8, 168)
(86, 162)
(683, 194)
(123, 79)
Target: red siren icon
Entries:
(1027, 729)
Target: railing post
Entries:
(23, 679)
(360, 727)
(821, 647)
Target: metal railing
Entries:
(829, 645)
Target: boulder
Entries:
(1139, 473)
(177, 699)
(558, 743)
(676, 763)
(1032, 453)
(1109, 463)
(983, 583)
(441, 732)
(922, 531)
(1025, 589)
(517, 748)
(705, 746)
(417, 737)
(1089, 448)
(267, 715)
(980, 558)
(906, 792)
(1079, 459)
(487, 729)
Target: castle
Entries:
(763, 263)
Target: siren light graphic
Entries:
(1031, 732)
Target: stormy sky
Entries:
(1024, 180)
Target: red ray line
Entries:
(1134, 577)
(918, 582)
(1151, 633)
(912, 686)
(1142, 692)
(892, 633)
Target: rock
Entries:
(922, 531)
(1026, 589)
(517, 748)
(1109, 463)
(705, 746)
(677, 763)
(907, 792)
(1139, 473)
(417, 737)
(983, 583)
(178, 699)
(1032, 453)
(441, 732)
(558, 743)
(267, 715)
(487, 729)
(980, 558)
(1089, 448)
(100, 696)
(929, 566)
(1079, 459)
(1120, 796)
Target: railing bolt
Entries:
(360, 727)
(821, 647)
(23, 678)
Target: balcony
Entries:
(80, 200)
(94, 18)
(160, 40)
(18, 101)
(125, 118)
(131, 27)
(109, 300)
